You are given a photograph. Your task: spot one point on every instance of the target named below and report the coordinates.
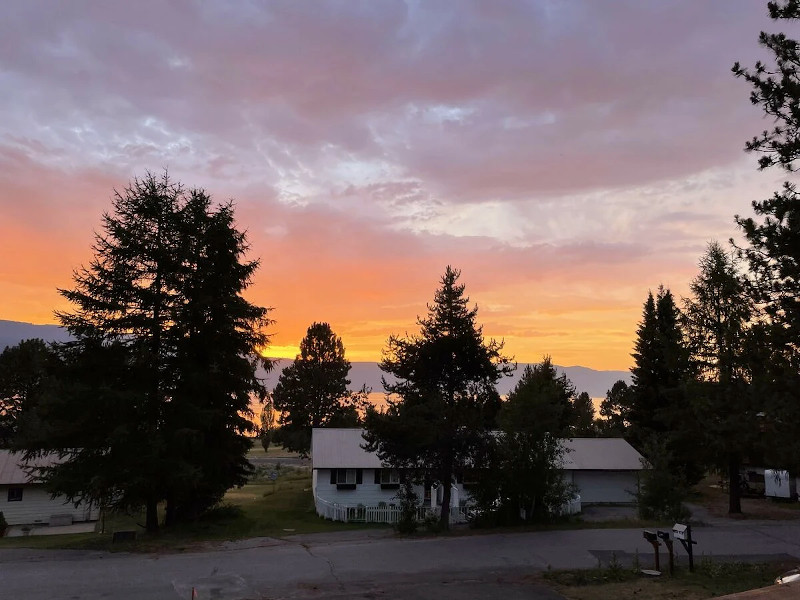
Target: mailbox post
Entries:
(653, 539)
(664, 535)
(683, 533)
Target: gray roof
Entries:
(341, 449)
(11, 467)
(333, 448)
(601, 454)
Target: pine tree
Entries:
(717, 318)
(777, 90)
(442, 400)
(313, 390)
(217, 334)
(646, 372)
(163, 367)
(583, 416)
(773, 235)
(542, 401)
(660, 406)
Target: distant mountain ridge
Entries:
(595, 383)
(13, 332)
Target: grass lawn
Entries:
(257, 451)
(709, 579)
(261, 508)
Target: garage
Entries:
(604, 470)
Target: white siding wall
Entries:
(37, 507)
(367, 493)
(606, 486)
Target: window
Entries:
(345, 476)
(389, 479)
(346, 479)
(15, 494)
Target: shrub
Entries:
(409, 501)
(662, 487)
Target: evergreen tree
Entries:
(773, 235)
(647, 373)
(313, 390)
(217, 334)
(614, 411)
(777, 90)
(660, 405)
(717, 318)
(26, 373)
(541, 401)
(442, 400)
(583, 411)
(163, 366)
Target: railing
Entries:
(360, 513)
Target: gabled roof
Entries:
(333, 448)
(11, 467)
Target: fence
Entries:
(571, 506)
(360, 513)
(390, 513)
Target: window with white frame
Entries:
(346, 479)
(390, 477)
(345, 476)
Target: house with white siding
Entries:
(350, 483)
(24, 502)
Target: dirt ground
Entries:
(712, 497)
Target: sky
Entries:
(566, 155)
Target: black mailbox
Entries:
(650, 536)
(664, 535)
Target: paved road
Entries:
(366, 564)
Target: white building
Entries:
(350, 483)
(25, 503)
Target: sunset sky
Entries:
(566, 155)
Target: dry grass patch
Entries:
(709, 494)
(709, 580)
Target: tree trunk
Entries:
(538, 512)
(444, 520)
(151, 522)
(734, 490)
(169, 513)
